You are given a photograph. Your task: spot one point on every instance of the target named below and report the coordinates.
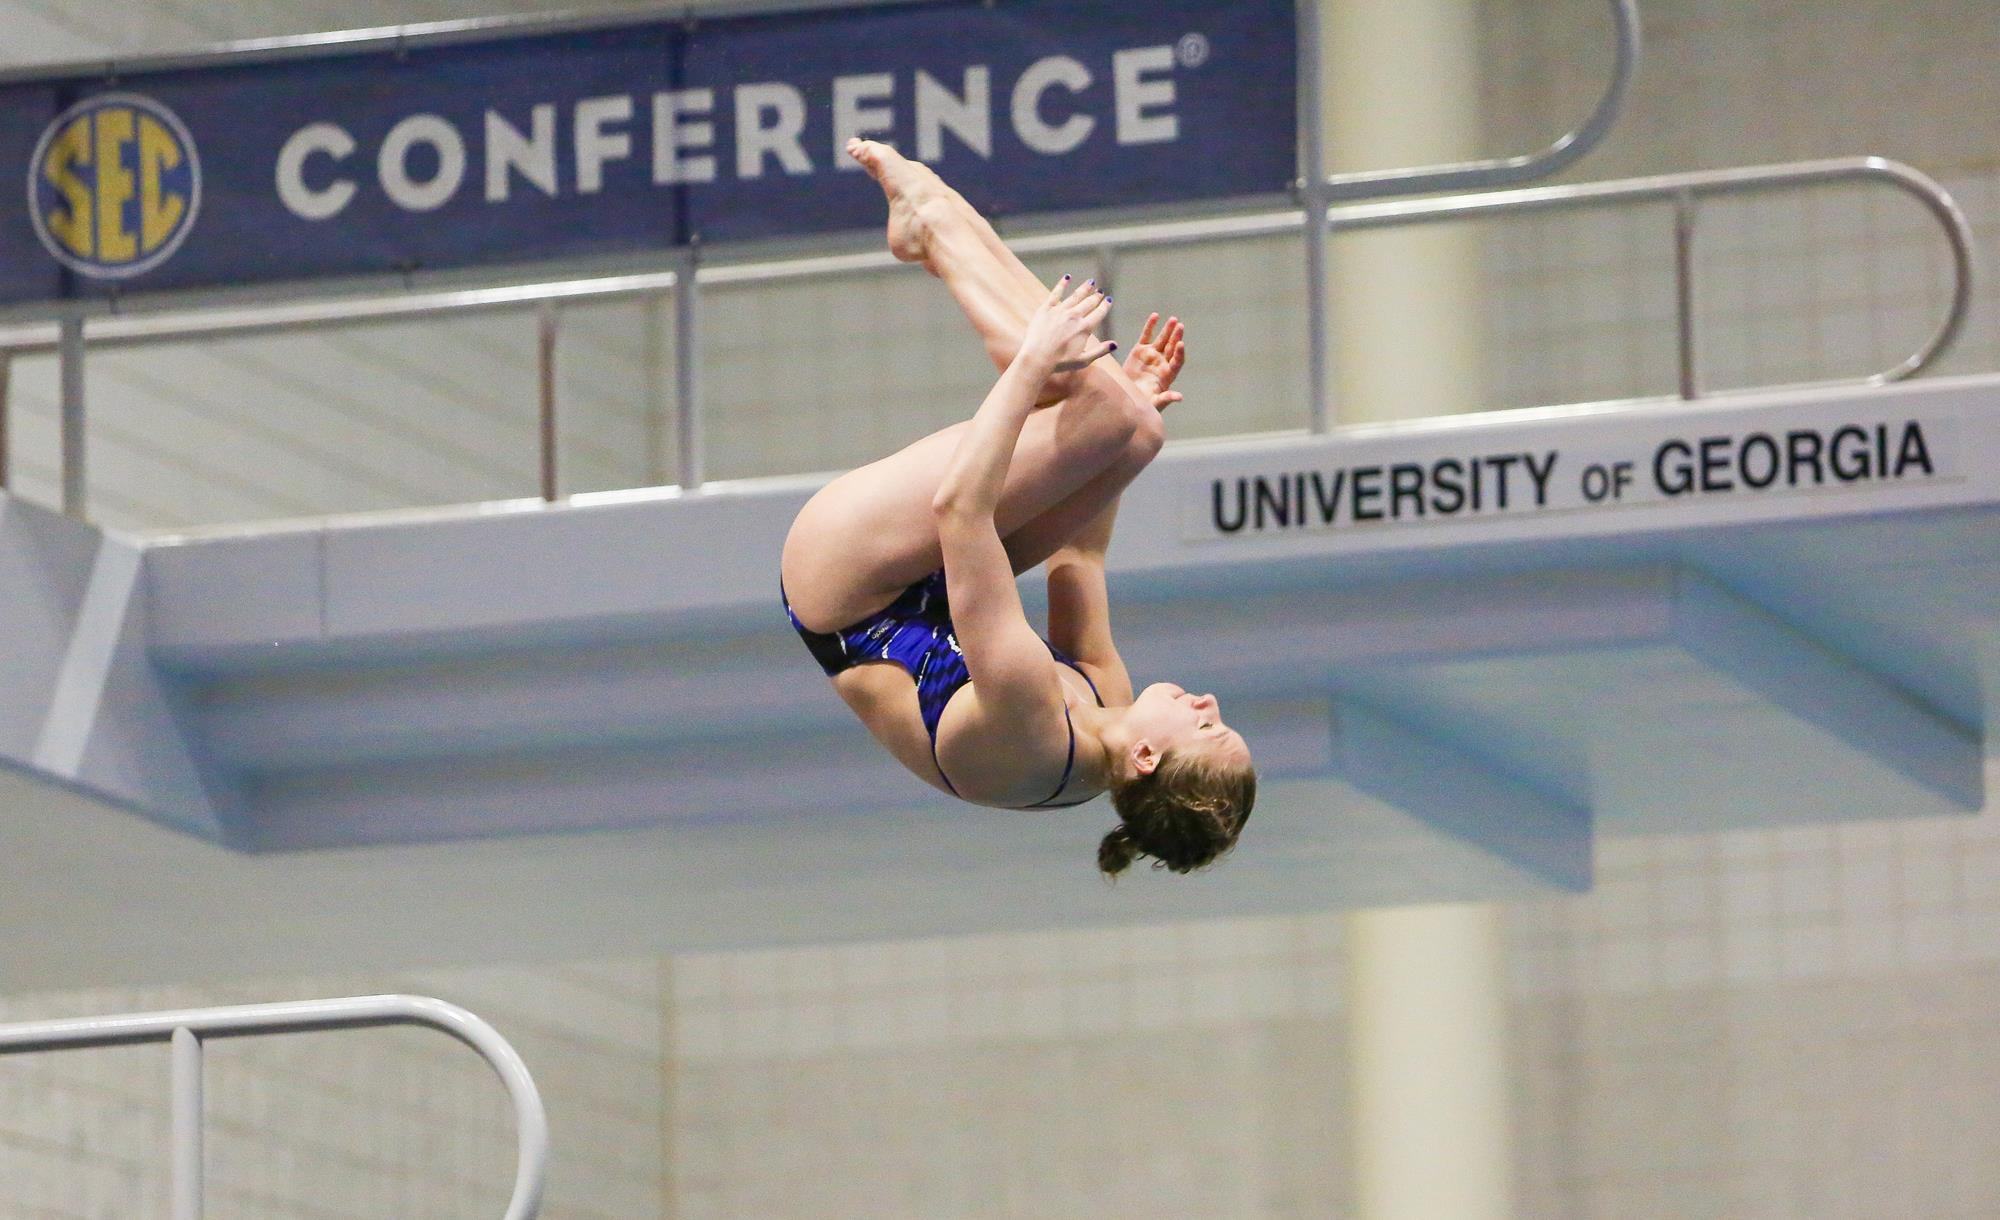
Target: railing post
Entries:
(545, 363)
(658, 405)
(1313, 195)
(1690, 382)
(6, 410)
(1107, 269)
(69, 355)
(187, 1114)
(687, 399)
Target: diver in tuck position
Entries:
(963, 692)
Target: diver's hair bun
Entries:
(1184, 814)
(1117, 852)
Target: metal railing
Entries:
(1318, 189)
(1685, 191)
(186, 1030)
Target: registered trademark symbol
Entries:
(1192, 50)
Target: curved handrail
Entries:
(1506, 171)
(356, 1012)
(1703, 183)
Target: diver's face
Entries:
(1172, 721)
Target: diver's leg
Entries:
(1051, 530)
(932, 224)
(869, 533)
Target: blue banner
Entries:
(518, 149)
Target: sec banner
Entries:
(406, 155)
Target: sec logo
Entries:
(114, 186)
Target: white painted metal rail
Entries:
(188, 1029)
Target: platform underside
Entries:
(526, 731)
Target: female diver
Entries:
(962, 691)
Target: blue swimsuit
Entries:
(915, 632)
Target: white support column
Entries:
(1429, 1107)
(1403, 89)
(1429, 1100)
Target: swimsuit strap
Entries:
(1049, 801)
(1085, 675)
(939, 767)
(1068, 764)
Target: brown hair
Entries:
(1185, 814)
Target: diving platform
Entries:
(1461, 649)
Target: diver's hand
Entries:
(1060, 336)
(1156, 361)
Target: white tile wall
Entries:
(1735, 1026)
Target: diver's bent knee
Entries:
(1149, 434)
(1113, 392)
(1140, 429)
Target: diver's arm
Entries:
(1005, 658)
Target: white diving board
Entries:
(1460, 649)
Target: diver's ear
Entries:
(1145, 759)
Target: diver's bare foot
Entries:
(908, 185)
